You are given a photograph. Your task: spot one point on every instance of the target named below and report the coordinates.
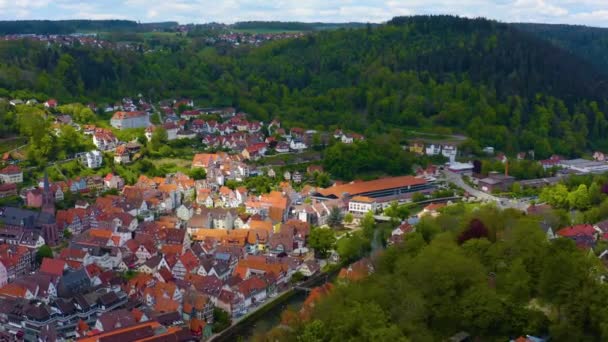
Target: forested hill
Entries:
(591, 43)
(293, 26)
(74, 26)
(501, 86)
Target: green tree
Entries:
(44, 251)
(322, 240)
(352, 247)
(368, 224)
(67, 234)
(159, 138)
(518, 282)
(348, 218)
(335, 217)
(595, 194)
(579, 198)
(221, 320)
(199, 173)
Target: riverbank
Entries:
(234, 331)
(268, 315)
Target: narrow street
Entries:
(502, 203)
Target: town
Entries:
(196, 249)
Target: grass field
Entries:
(178, 162)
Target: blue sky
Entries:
(585, 12)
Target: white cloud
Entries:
(590, 12)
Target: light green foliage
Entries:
(322, 240)
(348, 218)
(79, 112)
(353, 246)
(521, 283)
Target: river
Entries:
(266, 322)
(271, 318)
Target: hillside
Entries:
(292, 26)
(499, 85)
(75, 26)
(492, 274)
(590, 43)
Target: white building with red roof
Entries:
(11, 174)
(125, 120)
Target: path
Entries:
(502, 203)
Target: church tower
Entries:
(48, 198)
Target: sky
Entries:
(583, 12)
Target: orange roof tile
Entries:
(171, 249)
(434, 206)
(362, 199)
(374, 185)
(53, 267)
(13, 290)
(264, 225)
(106, 234)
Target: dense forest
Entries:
(491, 273)
(76, 26)
(292, 26)
(501, 86)
(591, 43)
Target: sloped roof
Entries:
(356, 188)
(53, 267)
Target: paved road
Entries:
(503, 203)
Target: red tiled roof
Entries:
(374, 185)
(53, 266)
(577, 230)
(10, 170)
(124, 115)
(434, 206)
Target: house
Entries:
(50, 104)
(416, 147)
(125, 120)
(53, 267)
(171, 129)
(104, 139)
(92, 159)
(449, 151)
(431, 210)
(297, 144)
(8, 189)
(356, 271)
(432, 149)
(255, 151)
(496, 182)
(11, 174)
(488, 150)
(253, 291)
(361, 205)
(112, 181)
(398, 234)
(121, 155)
(282, 147)
(580, 230)
(309, 268)
(553, 161)
(599, 156)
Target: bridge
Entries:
(311, 283)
